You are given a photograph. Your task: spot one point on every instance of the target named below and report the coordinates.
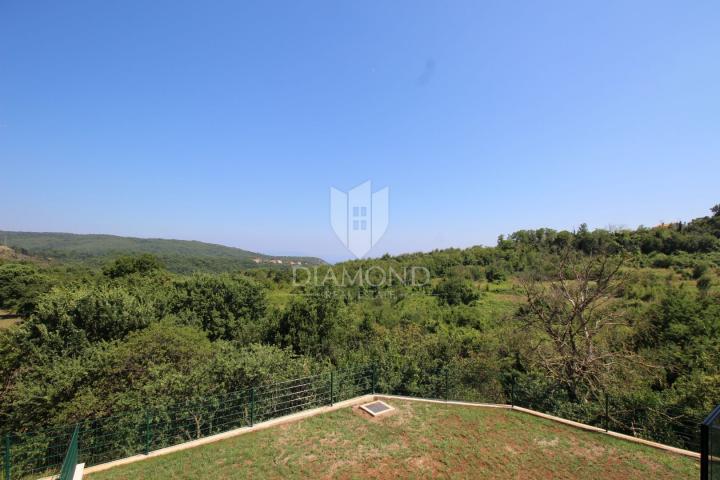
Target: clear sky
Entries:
(229, 121)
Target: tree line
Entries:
(557, 319)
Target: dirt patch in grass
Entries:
(8, 319)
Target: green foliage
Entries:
(226, 307)
(456, 291)
(495, 272)
(180, 256)
(704, 283)
(699, 270)
(142, 264)
(310, 323)
(682, 332)
(137, 336)
(98, 312)
(20, 287)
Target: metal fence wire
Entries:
(41, 453)
(45, 452)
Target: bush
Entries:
(704, 283)
(20, 287)
(699, 270)
(455, 291)
(123, 266)
(226, 307)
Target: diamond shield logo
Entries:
(359, 217)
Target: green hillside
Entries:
(181, 256)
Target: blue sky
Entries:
(229, 121)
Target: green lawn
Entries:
(418, 440)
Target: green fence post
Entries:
(148, 432)
(6, 457)
(252, 406)
(374, 378)
(607, 412)
(332, 380)
(77, 445)
(447, 385)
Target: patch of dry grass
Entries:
(8, 319)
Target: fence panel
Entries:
(284, 398)
(41, 453)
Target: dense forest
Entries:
(559, 320)
(178, 256)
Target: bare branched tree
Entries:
(573, 307)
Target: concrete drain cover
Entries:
(377, 408)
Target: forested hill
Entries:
(669, 245)
(180, 256)
(638, 327)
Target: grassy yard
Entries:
(418, 440)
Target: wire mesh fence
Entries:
(41, 453)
